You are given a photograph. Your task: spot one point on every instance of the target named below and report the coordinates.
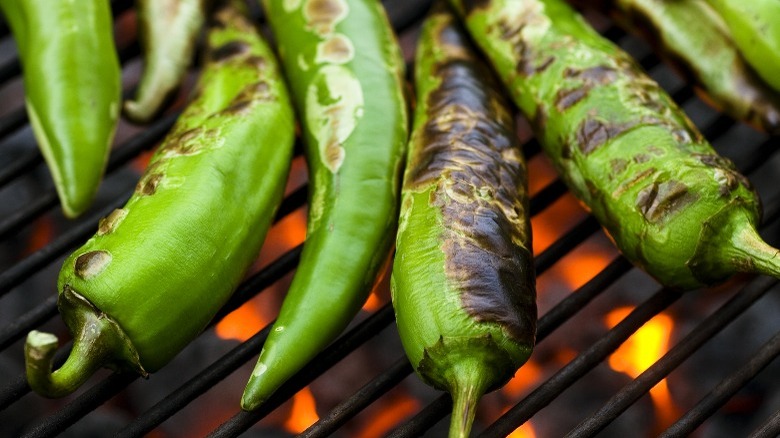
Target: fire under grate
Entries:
(719, 367)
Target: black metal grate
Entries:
(29, 301)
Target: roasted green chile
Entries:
(346, 76)
(755, 26)
(72, 88)
(159, 268)
(670, 203)
(463, 277)
(167, 30)
(693, 37)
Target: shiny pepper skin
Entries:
(695, 39)
(168, 30)
(755, 27)
(345, 72)
(158, 269)
(670, 203)
(463, 276)
(72, 88)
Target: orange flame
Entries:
(639, 352)
(303, 413)
(392, 414)
(529, 374)
(373, 303)
(524, 431)
(242, 323)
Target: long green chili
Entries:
(159, 268)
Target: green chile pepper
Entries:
(72, 89)
(695, 39)
(346, 76)
(158, 269)
(755, 27)
(463, 277)
(668, 201)
(168, 30)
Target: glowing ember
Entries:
(303, 413)
(581, 265)
(524, 431)
(373, 303)
(42, 233)
(639, 352)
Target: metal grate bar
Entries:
(725, 390)
(581, 365)
(119, 157)
(769, 430)
(366, 395)
(703, 332)
(196, 386)
(354, 338)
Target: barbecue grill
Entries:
(719, 367)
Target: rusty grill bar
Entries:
(757, 154)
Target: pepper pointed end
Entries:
(258, 389)
(140, 111)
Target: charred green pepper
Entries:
(755, 27)
(694, 38)
(159, 268)
(670, 203)
(463, 277)
(346, 76)
(72, 89)
(168, 30)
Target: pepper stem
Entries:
(467, 385)
(97, 341)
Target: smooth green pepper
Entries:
(346, 76)
(668, 201)
(167, 30)
(691, 35)
(463, 277)
(72, 89)
(755, 27)
(159, 269)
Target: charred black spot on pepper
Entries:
(229, 50)
(92, 263)
(636, 179)
(618, 165)
(565, 99)
(659, 201)
(471, 5)
(467, 141)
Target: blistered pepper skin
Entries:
(345, 72)
(755, 27)
(168, 30)
(463, 277)
(694, 38)
(668, 201)
(72, 88)
(158, 269)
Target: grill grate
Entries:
(756, 158)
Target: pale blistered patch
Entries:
(335, 49)
(335, 102)
(291, 5)
(92, 263)
(109, 223)
(322, 16)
